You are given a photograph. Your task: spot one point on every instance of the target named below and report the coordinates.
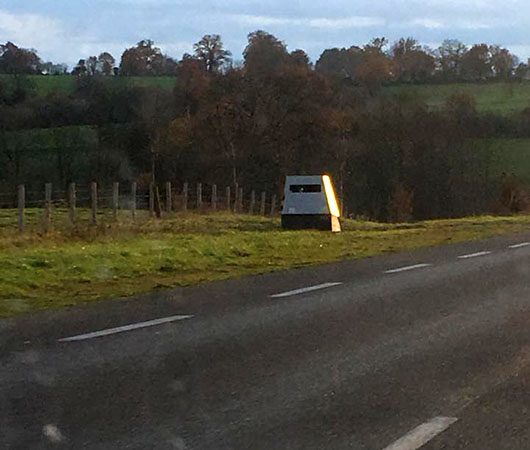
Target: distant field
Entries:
(511, 156)
(503, 98)
(65, 84)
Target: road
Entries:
(427, 349)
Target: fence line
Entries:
(110, 200)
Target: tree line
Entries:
(392, 157)
(371, 65)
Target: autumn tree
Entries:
(476, 63)
(288, 121)
(503, 62)
(299, 58)
(411, 62)
(375, 67)
(16, 60)
(264, 54)
(145, 59)
(258, 129)
(222, 121)
(209, 50)
(339, 63)
(191, 87)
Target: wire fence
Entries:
(118, 202)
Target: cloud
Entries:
(427, 23)
(315, 22)
(347, 22)
(520, 49)
(51, 41)
(27, 29)
(462, 24)
(175, 49)
(254, 20)
(61, 45)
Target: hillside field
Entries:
(510, 156)
(505, 98)
(44, 84)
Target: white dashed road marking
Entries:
(419, 436)
(474, 255)
(522, 244)
(134, 326)
(405, 269)
(306, 289)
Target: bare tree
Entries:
(209, 50)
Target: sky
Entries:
(64, 31)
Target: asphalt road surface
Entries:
(428, 349)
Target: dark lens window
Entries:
(305, 188)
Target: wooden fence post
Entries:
(169, 206)
(94, 201)
(252, 202)
(228, 195)
(47, 207)
(214, 197)
(262, 203)
(133, 200)
(72, 200)
(151, 200)
(236, 198)
(199, 196)
(21, 206)
(156, 203)
(185, 197)
(115, 200)
(273, 205)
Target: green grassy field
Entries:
(499, 97)
(80, 264)
(511, 156)
(65, 84)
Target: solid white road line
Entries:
(522, 244)
(306, 289)
(134, 326)
(404, 269)
(474, 255)
(421, 435)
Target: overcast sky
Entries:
(66, 30)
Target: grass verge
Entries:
(74, 265)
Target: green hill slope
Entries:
(44, 85)
(504, 98)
